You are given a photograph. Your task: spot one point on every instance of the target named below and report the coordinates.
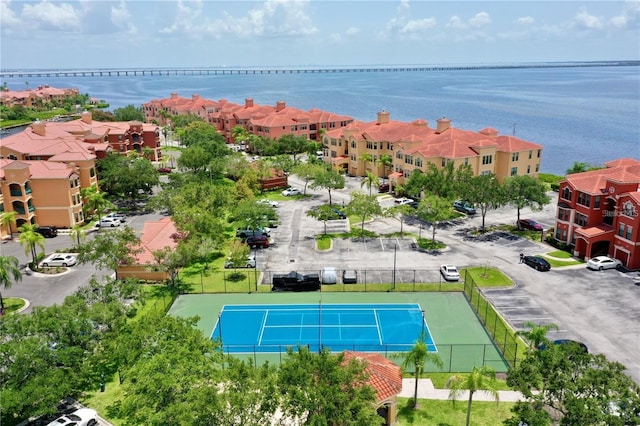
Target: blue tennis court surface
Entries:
(357, 327)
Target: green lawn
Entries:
(560, 254)
(487, 276)
(12, 304)
(555, 263)
(446, 413)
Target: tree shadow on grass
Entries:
(418, 416)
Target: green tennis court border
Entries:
(461, 339)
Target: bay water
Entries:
(587, 114)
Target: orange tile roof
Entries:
(593, 231)
(156, 236)
(595, 181)
(385, 377)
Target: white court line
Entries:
(264, 322)
(323, 326)
(375, 313)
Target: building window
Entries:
(408, 159)
(584, 199)
(530, 154)
(334, 142)
(566, 194)
(515, 156)
(629, 210)
(621, 229)
(596, 202)
(92, 172)
(418, 162)
(563, 214)
(539, 151)
(466, 161)
(487, 159)
(399, 155)
(528, 169)
(514, 171)
(444, 162)
(629, 232)
(558, 233)
(581, 220)
(353, 144)
(369, 145)
(537, 168)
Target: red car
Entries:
(530, 224)
(257, 241)
(164, 170)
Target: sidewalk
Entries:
(427, 391)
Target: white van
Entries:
(329, 275)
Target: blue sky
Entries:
(202, 33)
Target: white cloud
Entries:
(456, 23)
(121, 18)
(586, 21)
(481, 19)
(419, 25)
(526, 20)
(352, 31)
(630, 16)
(271, 18)
(45, 14)
(8, 18)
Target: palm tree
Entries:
(94, 200)
(386, 161)
(416, 358)
(366, 158)
(9, 271)
(31, 240)
(77, 234)
(536, 334)
(6, 219)
(480, 379)
(370, 180)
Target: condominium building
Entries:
(598, 212)
(36, 97)
(359, 147)
(43, 168)
(261, 120)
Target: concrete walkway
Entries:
(427, 391)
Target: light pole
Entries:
(220, 326)
(423, 322)
(395, 251)
(255, 269)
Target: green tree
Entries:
(77, 234)
(110, 249)
(386, 161)
(416, 359)
(365, 158)
(479, 379)
(31, 240)
(200, 133)
(364, 206)
(181, 121)
(170, 260)
(400, 212)
(6, 219)
(370, 180)
(325, 389)
(129, 113)
(307, 172)
(100, 115)
(578, 167)
(239, 134)
(95, 202)
(525, 191)
(293, 145)
(9, 272)
(329, 180)
(126, 177)
(485, 192)
(434, 210)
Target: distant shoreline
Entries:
(115, 72)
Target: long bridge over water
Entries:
(134, 72)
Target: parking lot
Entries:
(599, 308)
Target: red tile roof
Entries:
(592, 231)
(384, 376)
(156, 236)
(595, 181)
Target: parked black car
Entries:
(384, 187)
(537, 262)
(257, 241)
(295, 281)
(47, 231)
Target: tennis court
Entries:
(362, 327)
(453, 326)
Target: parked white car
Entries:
(450, 272)
(250, 262)
(59, 259)
(81, 417)
(268, 202)
(116, 215)
(329, 275)
(106, 222)
(291, 191)
(599, 263)
(403, 200)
